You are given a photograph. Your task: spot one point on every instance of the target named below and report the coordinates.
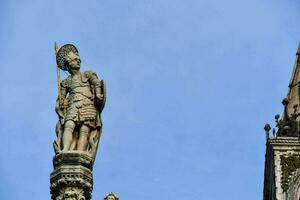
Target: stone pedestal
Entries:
(72, 177)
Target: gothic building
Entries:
(282, 164)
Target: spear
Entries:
(58, 74)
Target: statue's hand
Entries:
(99, 97)
(63, 104)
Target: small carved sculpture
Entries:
(288, 125)
(267, 129)
(81, 98)
(111, 196)
(71, 194)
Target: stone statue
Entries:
(111, 196)
(81, 98)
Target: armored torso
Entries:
(80, 99)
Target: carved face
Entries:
(110, 197)
(73, 61)
(71, 194)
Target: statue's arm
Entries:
(93, 78)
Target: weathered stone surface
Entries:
(73, 158)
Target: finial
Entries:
(285, 102)
(267, 129)
(277, 118)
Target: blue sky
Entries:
(190, 85)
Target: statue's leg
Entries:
(68, 134)
(83, 138)
(92, 142)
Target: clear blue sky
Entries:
(190, 85)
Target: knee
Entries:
(84, 132)
(69, 125)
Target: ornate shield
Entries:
(103, 89)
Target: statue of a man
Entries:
(80, 102)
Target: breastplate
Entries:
(78, 87)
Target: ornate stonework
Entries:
(289, 164)
(293, 192)
(72, 175)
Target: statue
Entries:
(111, 196)
(81, 98)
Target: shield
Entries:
(103, 89)
(96, 134)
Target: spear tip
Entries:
(55, 47)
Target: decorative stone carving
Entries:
(267, 129)
(289, 164)
(71, 194)
(288, 125)
(293, 192)
(72, 175)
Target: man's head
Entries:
(111, 196)
(73, 61)
(67, 57)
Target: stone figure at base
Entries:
(80, 101)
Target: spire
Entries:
(289, 123)
(293, 95)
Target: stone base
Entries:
(72, 177)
